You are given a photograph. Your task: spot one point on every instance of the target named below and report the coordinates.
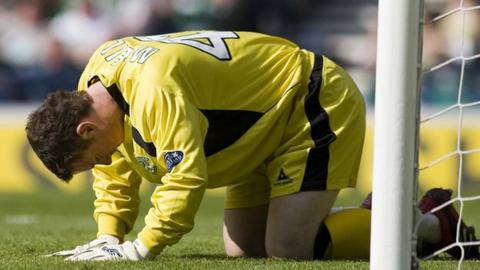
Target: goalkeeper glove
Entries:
(127, 251)
(102, 240)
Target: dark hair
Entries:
(51, 130)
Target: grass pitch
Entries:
(32, 225)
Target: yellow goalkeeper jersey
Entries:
(202, 110)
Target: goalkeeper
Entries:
(280, 127)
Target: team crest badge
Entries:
(172, 159)
(147, 164)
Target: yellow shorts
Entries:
(321, 147)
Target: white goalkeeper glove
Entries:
(127, 251)
(102, 240)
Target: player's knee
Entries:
(254, 250)
(288, 247)
(234, 251)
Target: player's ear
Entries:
(85, 129)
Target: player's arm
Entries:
(116, 206)
(117, 200)
(178, 130)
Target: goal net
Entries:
(429, 138)
(450, 111)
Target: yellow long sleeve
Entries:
(116, 188)
(177, 130)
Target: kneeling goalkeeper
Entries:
(280, 127)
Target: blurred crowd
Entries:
(44, 44)
(447, 38)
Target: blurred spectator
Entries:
(22, 34)
(56, 72)
(446, 39)
(9, 88)
(358, 52)
(452, 27)
(23, 39)
(160, 19)
(439, 87)
(81, 28)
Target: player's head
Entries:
(52, 130)
(72, 131)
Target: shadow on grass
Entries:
(200, 256)
(221, 256)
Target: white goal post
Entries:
(396, 133)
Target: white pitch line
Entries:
(21, 219)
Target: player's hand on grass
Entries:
(99, 242)
(133, 251)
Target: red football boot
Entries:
(448, 218)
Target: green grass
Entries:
(32, 225)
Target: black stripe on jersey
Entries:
(117, 96)
(226, 127)
(316, 171)
(122, 103)
(148, 147)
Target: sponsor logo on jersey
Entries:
(282, 178)
(172, 159)
(147, 164)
